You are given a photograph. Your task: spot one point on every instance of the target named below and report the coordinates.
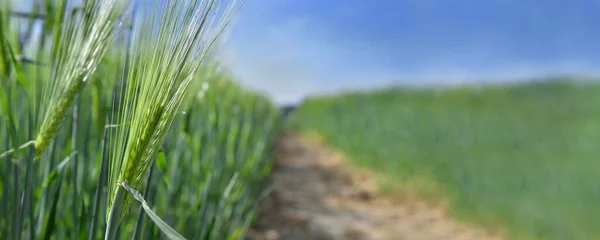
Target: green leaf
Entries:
(101, 183)
(163, 226)
(8, 116)
(82, 221)
(16, 66)
(57, 170)
(139, 223)
(51, 220)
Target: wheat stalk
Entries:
(169, 41)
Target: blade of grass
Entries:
(6, 198)
(46, 173)
(17, 149)
(100, 185)
(11, 202)
(30, 200)
(164, 227)
(58, 170)
(51, 221)
(204, 206)
(74, 164)
(82, 221)
(150, 229)
(17, 216)
(140, 220)
(222, 207)
(8, 117)
(9, 53)
(27, 192)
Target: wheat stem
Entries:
(115, 213)
(101, 182)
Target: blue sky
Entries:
(291, 48)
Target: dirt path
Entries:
(313, 198)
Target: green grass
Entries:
(522, 156)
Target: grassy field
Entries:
(94, 113)
(522, 157)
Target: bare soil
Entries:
(316, 197)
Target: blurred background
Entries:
(294, 48)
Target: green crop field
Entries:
(115, 132)
(522, 157)
(117, 121)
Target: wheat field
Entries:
(118, 122)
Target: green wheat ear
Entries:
(84, 38)
(168, 43)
